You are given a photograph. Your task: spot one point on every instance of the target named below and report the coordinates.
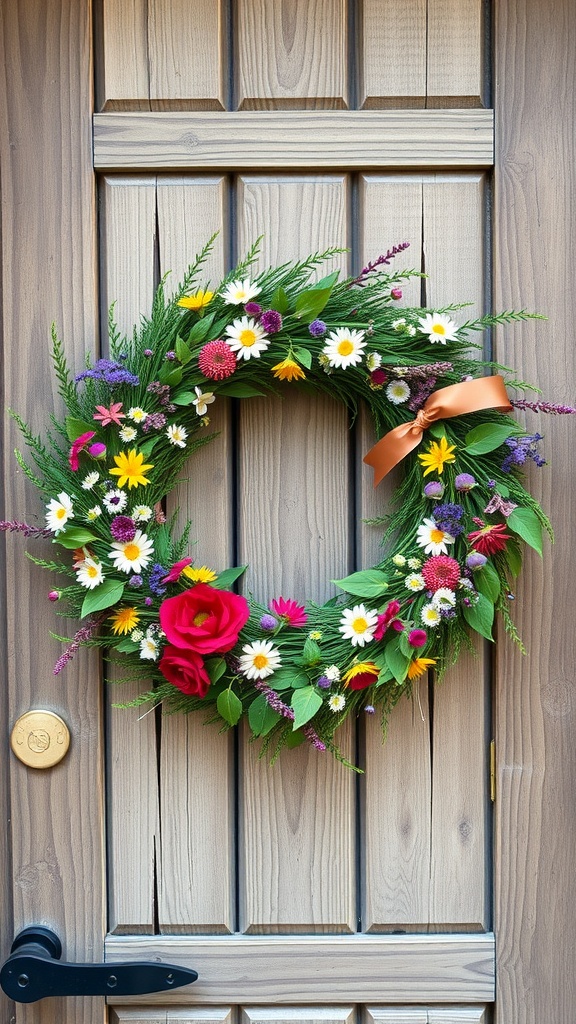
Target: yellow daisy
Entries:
(437, 455)
(130, 468)
(124, 620)
(196, 301)
(200, 575)
(288, 370)
(419, 666)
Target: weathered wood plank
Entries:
(393, 54)
(169, 1015)
(291, 56)
(122, 79)
(424, 1015)
(454, 59)
(264, 139)
(186, 54)
(361, 968)
(48, 274)
(535, 264)
(293, 1014)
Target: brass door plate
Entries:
(40, 739)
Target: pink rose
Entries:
(186, 670)
(204, 619)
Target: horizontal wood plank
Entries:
(360, 968)
(291, 139)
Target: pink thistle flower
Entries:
(387, 618)
(294, 614)
(216, 360)
(176, 570)
(396, 293)
(111, 415)
(417, 637)
(441, 571)
(78, 445)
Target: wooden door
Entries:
(299, 892)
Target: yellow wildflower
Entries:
(124, 620)
(419, 666)
(196, 301)
(437, 455)
(200, 575)
(130, 468)
(288, 370)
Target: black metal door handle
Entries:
(34, 970)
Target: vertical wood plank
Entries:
(292, 55)
(185, 43)
(453, 232)
(294, 472)
(127, 278)
(122, 79)
(195, 884)
(48, 274)
(393, 54)
(535, 264)
(454, 65)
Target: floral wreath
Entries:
(454, 533)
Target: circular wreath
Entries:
(453, 537)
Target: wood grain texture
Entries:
(160, 55)
(455, 58)
(535, 887)
(196, 875)
(291, 55)
(170, 1015)
(303, 1014)
(290, 140)
(424, 1015)
(393, 54)
(56, 823)
(256, 970)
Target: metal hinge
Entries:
(492, 771)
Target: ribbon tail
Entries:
(391, 449)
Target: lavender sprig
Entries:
(29, 531)
(81, 637)
(381, 261)
(551, 407)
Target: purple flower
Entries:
(464, 482)
(135, 581)
(434, 489)
(110, 372)
(317, 328)
(54, 595)
(447, 517)
(154, 421)
(268, 622)
(123, 528)
(370, 709)
(148, 601)
(550, 407)
(148, 352)
(324, 683)
(253, 309)
(522, 448)
(417, 637)
(157, 574)
(170, 356)
(396, 293)
(271, 321)
(475, 560)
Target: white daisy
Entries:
(433, 539)
(149, 648)
(177, 435)
(415, 582)
(137, 414)
(93, 513)
(58, 511)
(246, 338)
(344, 348)
(444, 598)
(115, 500)
(202, 401)
(430, 616)
(142, 513)
(373, 361)
(332, 673)
(238, 292)
(398, 392)
(89, 573)
(358, 624)
(128, 434)
(259, 660)
(132, 555)
(438, 327)
(399, 560)
(336, 702)
(414, 563)
(411, 330)
(90, 480)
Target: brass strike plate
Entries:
(40, 739)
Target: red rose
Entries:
(186, 670)
(204, 619)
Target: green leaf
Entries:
(75, 537)
(126, 646)
(288, 679)
(261, 717)
(171, 375)
(240, 391)
(200, 329)
(311, 302)
(487, 582)
(294, 739)
(396, 661)
(304, 356)
(182, 351)
(215, 667)
(229, 707)
(183, 397)
(526, 524)
(104, 596)
(228, 577)
(75, 428)
(147, 446)
(305, 703)
(514, 557)
(367, 583)
(437, 430)
(480, 616)
(279, 300)
(488, 436)
(312, 653)
(405, 647)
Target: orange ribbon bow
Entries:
(455, 400)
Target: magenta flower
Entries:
(417, 638)
(77, 447)
(387, 618)
(176, 570)
(294, 614)
(111, 415)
